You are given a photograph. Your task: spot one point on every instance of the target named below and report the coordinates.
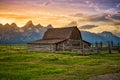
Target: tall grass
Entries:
(17, 63)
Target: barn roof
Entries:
(55, 35)
(58, 33)
(86, 42)
(47, 41)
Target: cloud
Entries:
(111, 11)
(117, 24)
(15, 16)
(77, 15)
(73, 23)
(118, 5)
(108, 1)
(88, 26)
(69, 1)
(116, 17)
(48, 2)
(112, 18)
(97, 18)
(89, 1)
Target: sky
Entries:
(90, 15)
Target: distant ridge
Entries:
(12, 34)
(100, 37)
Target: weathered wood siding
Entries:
(62, 46)
(42, 47)
(86, 45)
(69, 44)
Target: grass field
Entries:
(16, 63)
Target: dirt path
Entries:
(111, 76)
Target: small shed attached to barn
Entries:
(59, 39)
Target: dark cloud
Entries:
(88, 26)
(116, 16)
(107, 1)
(104, 18)
(97, 18)
(93, 1)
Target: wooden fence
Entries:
(97, 47)
(108, 46)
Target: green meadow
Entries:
(16, 63)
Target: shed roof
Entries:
(58, 33)
(86, 42)
(47, 41)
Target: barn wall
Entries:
(75, 44)
(62, 46)
(42, 47)
(69, 44)
(66, 45)
(86, 45)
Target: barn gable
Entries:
(75, 34)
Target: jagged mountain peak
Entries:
(29, 24)
(39, 25)
(6, 25)
(49, 26)
(14, 24)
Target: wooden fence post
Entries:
(109, 47)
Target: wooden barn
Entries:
(59, 39)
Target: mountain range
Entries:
(12, 34)
(100, 37)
